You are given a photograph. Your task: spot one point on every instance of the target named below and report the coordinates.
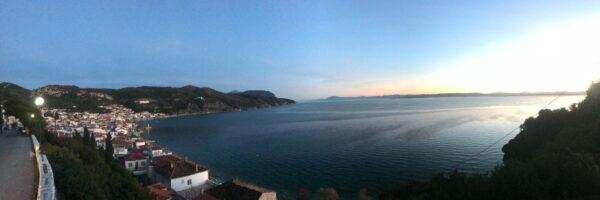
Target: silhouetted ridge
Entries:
(170, 100)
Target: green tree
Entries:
(80, 172)
(328, 194)
(76, 135)
(108, 148)
(86, 135)
(93, 140)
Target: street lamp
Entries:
(39, 101)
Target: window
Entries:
(189, 181)
(130, 165)
(143, 163)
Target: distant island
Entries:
(474, 94)
(169, 100)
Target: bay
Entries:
(351, 144)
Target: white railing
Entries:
(46, 189)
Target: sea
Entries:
(349, 145)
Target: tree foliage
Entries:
(81, 172)
(328, 194)
(108, 148)
(18, 102)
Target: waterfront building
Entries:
(157, 152)
(179, 174)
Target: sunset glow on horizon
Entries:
(565, 57)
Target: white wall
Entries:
(121, 151)
(140, 164)
(198, 179)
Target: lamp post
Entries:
(39, 101)
(3, 118)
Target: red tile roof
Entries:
(122, 141)
(160, 191)
(136, 151)
(134, 156)
(157, 148)
(172, 166)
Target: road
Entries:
(16, 166)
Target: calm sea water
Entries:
(350, 144)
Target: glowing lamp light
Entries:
(32, 116)
(39, 101)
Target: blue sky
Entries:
(301, 49)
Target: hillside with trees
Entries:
(81, 171)
(170, 100)
(18, 102)
(556, 155)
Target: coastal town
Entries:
(170, 176)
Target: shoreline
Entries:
(214, 112)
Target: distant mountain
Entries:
(259, 93)
(12, 90)
(170, 100)
(458, 95)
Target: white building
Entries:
(179, 174)
(157, 152)
(136, 163)
(139, 143)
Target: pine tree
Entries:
(93, 140)
(76, 135)
(86, 136)
(108, 149)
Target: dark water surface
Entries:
(350, 144)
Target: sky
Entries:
(304, 49)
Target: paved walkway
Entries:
(16, 166)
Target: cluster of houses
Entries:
(171, 176)
(118, 120)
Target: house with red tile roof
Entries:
(157, 151)
(160, 192)
(179, 174)
(121, 146)
(136, 162)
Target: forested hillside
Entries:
(169, 100)
(18, 102)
